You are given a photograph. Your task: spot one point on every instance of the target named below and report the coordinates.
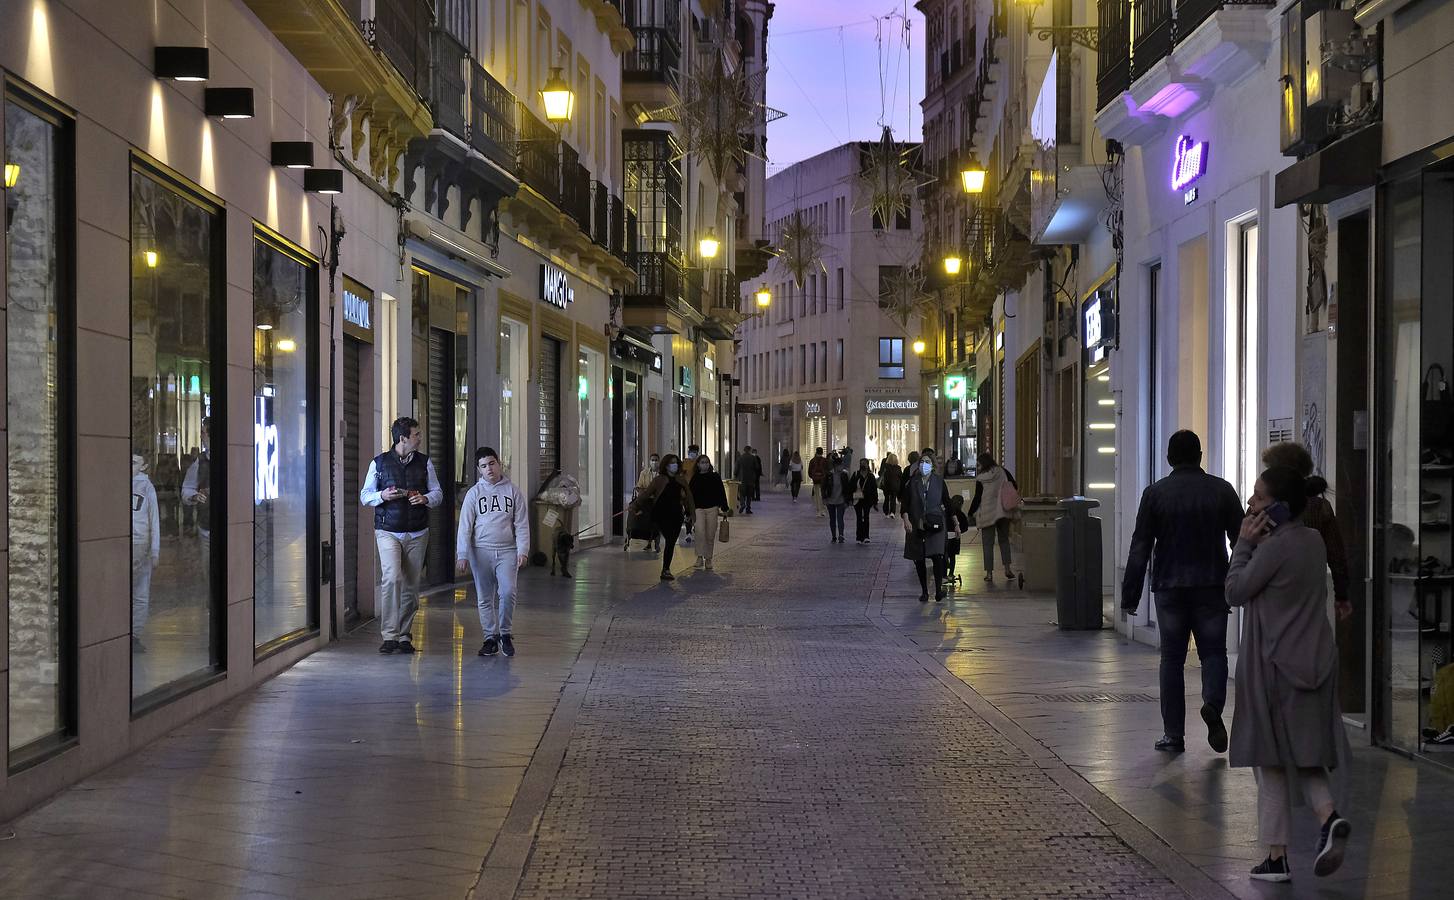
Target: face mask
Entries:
(926, 467)
(672, 468)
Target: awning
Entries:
(1343, 167)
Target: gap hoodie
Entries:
(146, 525)
(494, 517)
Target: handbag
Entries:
(1010, 499)
(932, 523)
(1436, 412)
(724, 529)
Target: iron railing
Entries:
(539, 159)
(448, 85)
(575, 188)
(401, 32)
(492, 117)
(1113, 60)
(654, 57)
(658, 278)
(1155, 29)
(600, 214)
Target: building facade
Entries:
(827, 364)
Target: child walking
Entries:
(494, 542)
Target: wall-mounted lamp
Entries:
(557, 98)
(150, 258)
(972, 176)
(228, 103)
(293, 154)
(180, 63)
(952, 265)
(709, 245)
(763, 297)
(12, 175)
(919, 347)
(323, 181)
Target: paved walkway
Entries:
(794, 725)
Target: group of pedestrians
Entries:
(669, 496)
(1288, 725)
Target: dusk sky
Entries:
(814, 46)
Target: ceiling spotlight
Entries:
(228, 103)
(293, 154)
(180, 63)
(323, 181)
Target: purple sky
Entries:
(812, 44)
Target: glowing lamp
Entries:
(764, 298)
(12, 174)
(180, 63)
(557, 98)
(709, 245)
(151, 258)
(952, 265)
(919, 347)
(973, 176)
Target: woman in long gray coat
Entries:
(1288, 723)
(926, 516)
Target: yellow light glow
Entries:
(952, 265)
(264, 326)
(764, 298)
(1101, 486)
(558, 99)
(1106, 450)
(156, 140)
(1106, 402)
(709, 245)
(1102, 426)
(287, 345)
(39, 64)
(12, 174)
(973, 179)
(151, 258)
(209, 172)
(1103, 378)
(272, 219)
(919, 347)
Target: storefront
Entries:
(358, 444)
(1099, 415)
(891, 425)
(812, 427)
(631, 361)
(838, 424)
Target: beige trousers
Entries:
(706, 532)
(401, 565)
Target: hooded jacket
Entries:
(146, 524)
(493, 517)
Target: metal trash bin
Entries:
(1078, 565)
(1038, 516)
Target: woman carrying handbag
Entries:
(709, 496)
(996, 497)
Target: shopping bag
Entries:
(1010, 499)
(724, 529)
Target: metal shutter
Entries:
(353, 429)
(549, 380)
(439, 567)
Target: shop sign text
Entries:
(870, 407)
(1188, 163)
(555, 287)
(356, 310)
(265, 446)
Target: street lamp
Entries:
(763, 297)
(919, 346)
(952, 264)
(557, 98)
(12, 174)
(707, 247)
(972, 176)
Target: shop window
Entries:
(514, 372)
(285, 379)
(890, 357)
(40, 595)
(178, 495)
(590, 429)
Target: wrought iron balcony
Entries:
(1113, 61)
(539, 160)
(1155, 30)
(658, 280)
(1192, 13)
(401, 32)
(447, 84)
(575, 188)
(492, 118)
(600, 214)
(655, 58)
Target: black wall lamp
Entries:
(323, 181)
(228, 103)
(180, 63)
(293, 154)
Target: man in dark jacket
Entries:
(1189, 518)
(749, 470)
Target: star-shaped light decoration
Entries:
(887, 178)
(717, 109)
(905, 293)
(800, 247)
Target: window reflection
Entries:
(282, 287)
(174, 290)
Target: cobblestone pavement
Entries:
(753, 733)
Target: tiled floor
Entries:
(794, 725)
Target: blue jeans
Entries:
(1180, 614)
(835, 518)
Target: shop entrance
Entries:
(355, 452)
(548, 378)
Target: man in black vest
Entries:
(401, 487)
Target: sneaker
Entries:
(490, 647)
(989, 578)
(1331, 844)
(1272, 870)
(406, 646)
(389, 646)
(507, 645)
(1169, 744)
(867, 541)
(667, 576)
(1216, 731)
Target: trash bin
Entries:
(732, 486)
(550, 520)
(1078, 565)
(1037, 543)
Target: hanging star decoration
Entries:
(905, 293)
(887, 177)
(717, 110)
(800, 247)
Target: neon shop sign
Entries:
(1188, 163)
(265, 448)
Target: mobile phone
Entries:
(1279, 513)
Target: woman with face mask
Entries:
(1288, 724)
(670, 503)
(640, 511)
(710, 498)
(835, 496)
(926, 514)
(863, 487)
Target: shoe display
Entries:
(389, 646)
(507, 645)
(490, 647)
(1272, 870)
(1216, 731)
(406, 646)
(1331, 845)
(1169, 744)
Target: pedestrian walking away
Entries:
(402, 487)
(709, 496)
(835, 496)
(670, 503)
(1288, 723)
(643, 482)
(890, 480)
(817, 471)
(1184, 526)
(749, 470)
(783, 464)
(954, 468)
(795, 474)
(757, 472)
(991, 514)
(925, 515)
(493, 542)
(911, 466)
(863, 494)
(1318, 516)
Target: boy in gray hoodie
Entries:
(493, 541)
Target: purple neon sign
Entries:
(1189, 162)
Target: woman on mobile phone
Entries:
(1288, 725)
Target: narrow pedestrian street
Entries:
(794, 724)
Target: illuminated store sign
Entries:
(1189, 162)
(356, 310)
(265, 446)
(889, 406)
(955, 387)
(555, 289)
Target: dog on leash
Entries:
(565, 542)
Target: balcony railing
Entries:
(624, 243)
(401, 31)
(1113, 61)
(539, 162)
(654, 58)
(658, 278)
(1154, 34)
(575, 188)
(492, 117)
(448, 85)
(600, 214)
(1191, 13)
